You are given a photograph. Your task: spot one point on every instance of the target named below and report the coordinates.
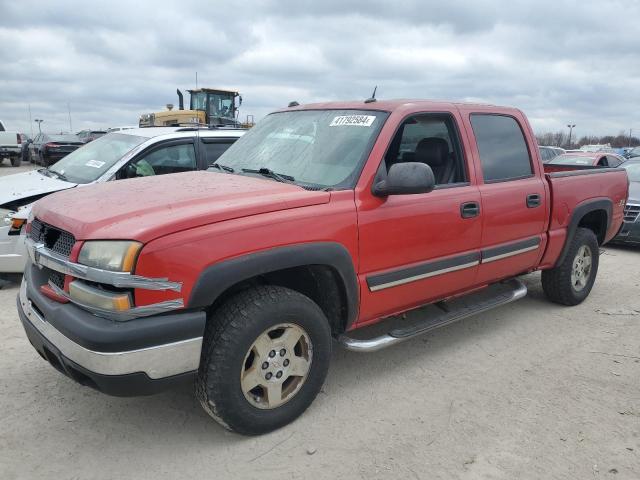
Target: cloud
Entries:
(560, 62)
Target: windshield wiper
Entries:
(267, 172)
(222, 167)
(60, 176)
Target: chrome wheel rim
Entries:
(581, 269)
(276, 366)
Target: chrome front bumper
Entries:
(43, 257)
(156, 362)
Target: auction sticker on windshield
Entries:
(352, 120)
(94, 164)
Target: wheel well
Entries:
(597, 222)
(320, 283)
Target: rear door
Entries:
(514, 196)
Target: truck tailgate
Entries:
(570, 189)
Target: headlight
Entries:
(113, 255)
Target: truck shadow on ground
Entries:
(177, 414)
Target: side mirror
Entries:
(406, 179)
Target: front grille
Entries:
(631, 212)
(56, 278)
(56, 240)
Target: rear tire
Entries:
(570, 282)
(274, 338)
(16, 161)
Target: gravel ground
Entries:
(531, 390)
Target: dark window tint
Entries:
(502, 147)
(613, 161)
(213, 149)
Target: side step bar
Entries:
(487, 299)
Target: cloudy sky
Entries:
(110, 61)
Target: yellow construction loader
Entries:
(211, 107)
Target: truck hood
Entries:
(147, 208)
(23, 188)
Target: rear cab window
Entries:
(503, 150)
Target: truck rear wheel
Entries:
(265, 356)
(16, 160)
(570, 282)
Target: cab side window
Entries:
(613, 161)
(431, 139)
(503, 150)
(212, 149)
(164, 160)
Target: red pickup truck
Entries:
(322, 220)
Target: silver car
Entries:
(129, 153)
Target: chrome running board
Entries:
(487, 299)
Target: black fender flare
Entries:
(578, 213)
(217, 278)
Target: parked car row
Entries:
(321, 220)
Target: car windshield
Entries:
(634, 152)
(572, 160)
(633, 171)
(317, 148)
(89, 162)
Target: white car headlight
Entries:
(113, 255)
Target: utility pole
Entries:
(630, 130)
(571, 127)
(30, 121)
(39, 121)
(196, 80)
(69, 110)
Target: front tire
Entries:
(265, 356)
(570, 282)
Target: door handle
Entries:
(469, 209)
(533, 200)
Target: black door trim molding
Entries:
(423, 270)
(504, 251)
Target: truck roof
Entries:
(390, 105)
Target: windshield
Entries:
(89, 162)
(573, 160)
(319, 148)
(633, 171)
(634, 152)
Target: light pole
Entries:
(38, 121)
(571, 127)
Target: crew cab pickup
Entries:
(322, 220)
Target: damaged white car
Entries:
(126, 154)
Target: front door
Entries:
(415, 249)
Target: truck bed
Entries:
(571, 188)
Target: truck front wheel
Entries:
(265, 356)
(570, 282)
